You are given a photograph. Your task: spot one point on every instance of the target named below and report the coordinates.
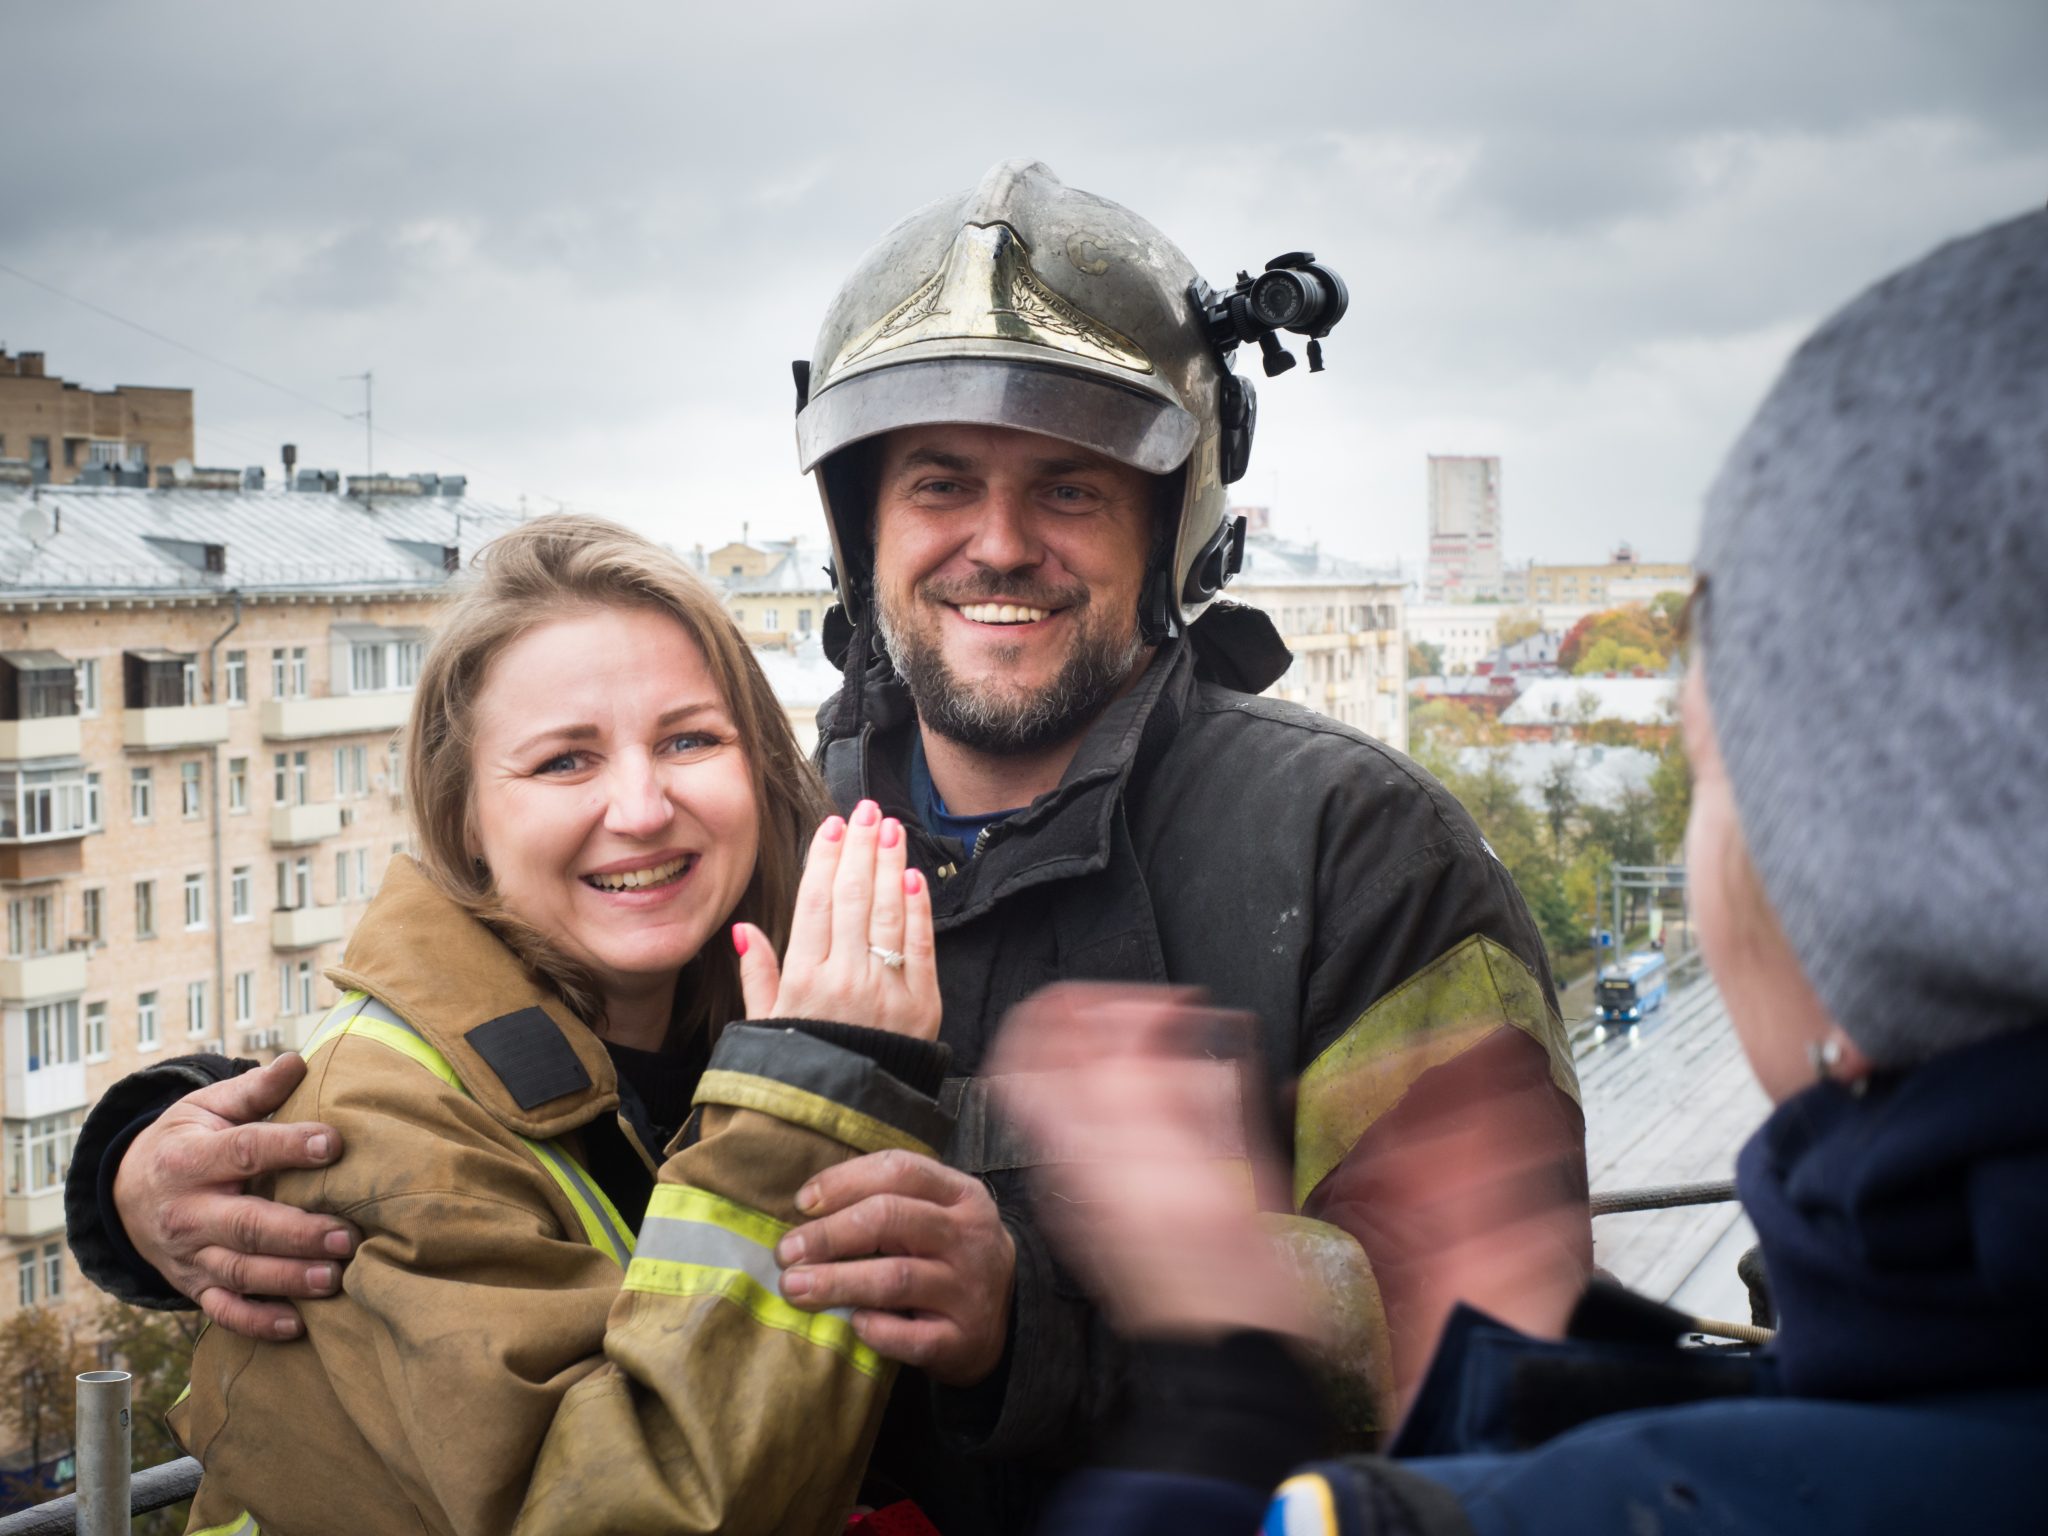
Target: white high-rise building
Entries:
(1464, 529)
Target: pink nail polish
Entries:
(892, 832)
(867, 813)
(835, 828)
(913, 882)
(739, 939)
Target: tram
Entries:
(1633, 987)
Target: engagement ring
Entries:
(892, 959)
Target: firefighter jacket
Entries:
(513, 1349)
(1293, 868)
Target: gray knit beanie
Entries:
(1875, 637)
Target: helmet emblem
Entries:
(986, 290)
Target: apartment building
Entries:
(777, 591)
(58, 430)
(1624, 579)
(199, 788)
(1344, 623)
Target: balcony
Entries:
(292, 825)
(169, 726)
(24, 739)
(305, 927)
(31, 980)
(35, 1215)
(352, 714)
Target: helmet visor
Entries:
(1134, 428)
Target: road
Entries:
(1670, 1103)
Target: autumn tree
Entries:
(1425, 659)
(1620, 640)
(1517, 624)
(41, 1356)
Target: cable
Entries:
(221, 362)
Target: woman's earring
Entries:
(1825, 1056)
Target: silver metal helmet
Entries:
(1025, 303)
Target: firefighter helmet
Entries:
(1026, 303)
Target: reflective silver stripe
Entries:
(594, 1202)
(716, 1247)
(373, 1009)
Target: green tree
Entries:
(1609, 654)
(1425, 659)
(1671, 796)
(1439, 729)
(156, 1348)
(40, 1358)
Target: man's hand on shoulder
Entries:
(179, 1192)
(918, 1250)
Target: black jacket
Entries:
(1289, 865)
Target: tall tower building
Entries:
(1464, 529)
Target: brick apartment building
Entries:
(61, 430)
(198, 786)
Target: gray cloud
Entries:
(580, 246)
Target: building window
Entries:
(89, 687)
(240, 894)
(245, 996)
(803, 621)
(195, 1007)
(351, 772)
(290, 779)
(288, 672)
(31, 926)
(394, 770)
(145, 909)
(92, 918)
(38, 1157)
(141, 793)
(26, 1265)
(95, 805)
(362, 874)
(195, 902)
(771, 620)
(238, 677)
(52, 1034)
(41, 802)
(95, 1031)
(238, 785)
(305, 976)
(188, 791)
(53, 1271)
(341, 874)
(145, 1021)
(294, 884)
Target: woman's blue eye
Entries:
(692, 741)
(564, 762)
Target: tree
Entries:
(1425, 659)
(155, 1348)
(1671, 796)
(40, 1359)
(1438, 730)
(1560, 792)
(1642, 637)
(1517, 624)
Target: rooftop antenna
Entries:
(367, 417)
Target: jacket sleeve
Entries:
(513, 1379)
(105, 1256)
(1429, 1008)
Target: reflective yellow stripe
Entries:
(182, 1395)
(1302, 1506)
(680, 1202)
(243, 1524)
(605, 1229)
(666, 1277)
(1434, 1016)
(799, 1106)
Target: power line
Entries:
(221, 362)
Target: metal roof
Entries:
(103, 541)
(799, 568)
(37, 661)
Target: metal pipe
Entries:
(213, 770)
(154, 1488)
(1662, 1197)
(104, 1435)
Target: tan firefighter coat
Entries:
(508, 1352)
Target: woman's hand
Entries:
(860, 948)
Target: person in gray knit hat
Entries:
(1867, 720)
(1874, 620)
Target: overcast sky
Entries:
(578, 245)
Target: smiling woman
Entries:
(563, 1314)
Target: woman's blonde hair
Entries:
(542, 571)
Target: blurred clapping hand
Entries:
(1133, 1110)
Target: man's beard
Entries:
(988, 717)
